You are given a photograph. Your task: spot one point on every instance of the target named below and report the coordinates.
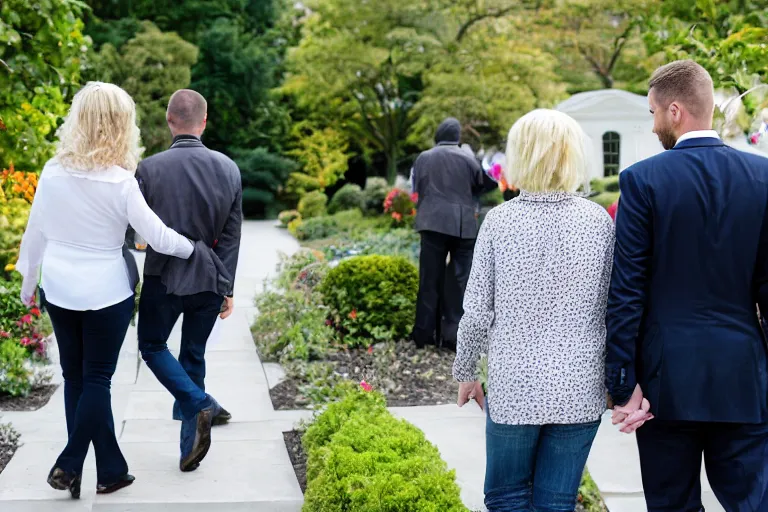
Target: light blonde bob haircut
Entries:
(100, 130)
(546, 152)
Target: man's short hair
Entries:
(687, 83)
(186, 109)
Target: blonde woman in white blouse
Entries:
(536, 303)
(87, 196)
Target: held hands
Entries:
(634, 414)
(471, 391)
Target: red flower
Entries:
(353, 314)
(415, 197)
(366, 387)
(397, 216)
(35, 312)
(25, 342)
(4, 334)
(370, 349)
(26, 319)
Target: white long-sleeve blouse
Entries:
(76, 231)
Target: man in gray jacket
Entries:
(197, 192)
(446, 179)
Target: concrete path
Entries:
(248, 467)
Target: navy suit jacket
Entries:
(690, 265)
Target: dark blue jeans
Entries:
(89, 346)
(535, 467)
(158, 313)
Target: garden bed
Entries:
(9, 442)
(406, 375)
(36, 399)
(297, 455)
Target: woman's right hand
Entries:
(471, 391)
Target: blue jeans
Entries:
(89, 347)
(158, 313)
(535, 467)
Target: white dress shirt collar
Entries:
(698, 134)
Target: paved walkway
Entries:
(248, 467)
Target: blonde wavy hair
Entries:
(547, 152)
(100, 130)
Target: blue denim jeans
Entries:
(535, 467)
(89, 346)
(158, 312)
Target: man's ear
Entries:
(205, 120)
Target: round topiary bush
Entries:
(373, 298)
(348, 197)
(313, 204)
(288, 216)
(375, 192)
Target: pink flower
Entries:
(370, 349)
(495, 172)
(366, 387)
(415, 197)
(25, 342)
(40, 349)
(26, 319)
(4, 334)
(755, 138)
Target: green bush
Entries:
(348, 197)
(611, 183)
(362, 458)
(342, 223)
(15, 377)
(375, 192)
(292, 326)
(493, 198)
(313, 204)
(287, 216)
(396, 242)
(605, 199)
(597, 186)
(11, 308)
(290, 267)
(373, 297)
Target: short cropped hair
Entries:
(546, 152)
(186, 109)
(100, 130)
(685, 82)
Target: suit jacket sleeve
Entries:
(760, 279)
(228, 246)
(627, 293)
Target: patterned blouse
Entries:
(535, 303)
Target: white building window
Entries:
(611, 153)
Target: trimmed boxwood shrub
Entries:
(611, 183)
(362, 458)
(313, 204)
(605, 199)
(375, 192)
(327, 226)
(15, 378)
(373, 297)
(288, 216)
(348, 197)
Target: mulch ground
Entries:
(407, 376)
(6, 452)
(298, 457)
(36, 399)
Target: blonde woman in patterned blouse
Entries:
(535, 303)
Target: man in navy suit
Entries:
(684, 339)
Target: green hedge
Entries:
(312, 204)
(348, 197)
(373, 297)
(605, 199)
(375, 192)
(362, 458)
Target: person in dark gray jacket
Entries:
(446, 179)
(199, 193)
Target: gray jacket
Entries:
(447, 178)
(197, 192)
